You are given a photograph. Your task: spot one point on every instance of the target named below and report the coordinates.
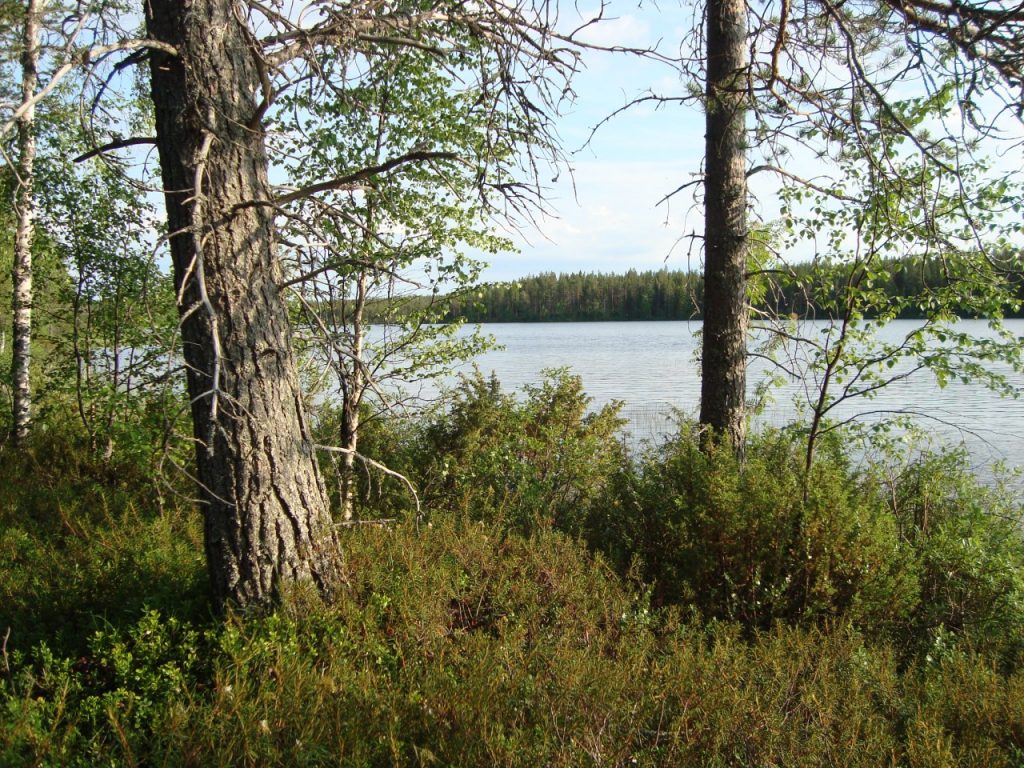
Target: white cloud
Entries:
(624, 31)
(615, 225)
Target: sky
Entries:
(607, 211)
(604, 215)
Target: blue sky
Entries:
(612, 221)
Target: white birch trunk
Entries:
(24, 206)
(353, 399)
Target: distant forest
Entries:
(675, 295)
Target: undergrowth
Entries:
(557, 604)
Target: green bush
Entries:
(539, 461)
(745, 543)
(922, 555)
(734, 614)
(966, 713)
(87, 540)
(967, 540)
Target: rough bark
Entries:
(723, 383)
(267, 523)
(21, 275)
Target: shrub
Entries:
(856, 617)
(917, 552)
(744, 543)
(85, 541)
(967, 541)
(463, 644)
(536, 462)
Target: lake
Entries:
(651, 367)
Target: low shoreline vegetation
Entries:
(558, 602)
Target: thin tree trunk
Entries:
(267, 520)
(21, 304)
(352, 401)
(724, 354)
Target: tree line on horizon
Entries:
(678, 295)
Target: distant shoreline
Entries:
(699, 319)
(911, 290)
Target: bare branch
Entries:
(832, 192)
(345, 182)
(378, 466)
(82, 59)
(118, 144)
(198, 207)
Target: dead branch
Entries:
(378, 466)
(344, 182)
(118, 144)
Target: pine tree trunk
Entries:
(723, 383)
(267, 520)
(21, 275)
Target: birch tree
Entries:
(24, 208)
(392, 251)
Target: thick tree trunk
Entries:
(21, 275)
(723, 383)
(267, 519)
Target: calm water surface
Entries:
(651, 367)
